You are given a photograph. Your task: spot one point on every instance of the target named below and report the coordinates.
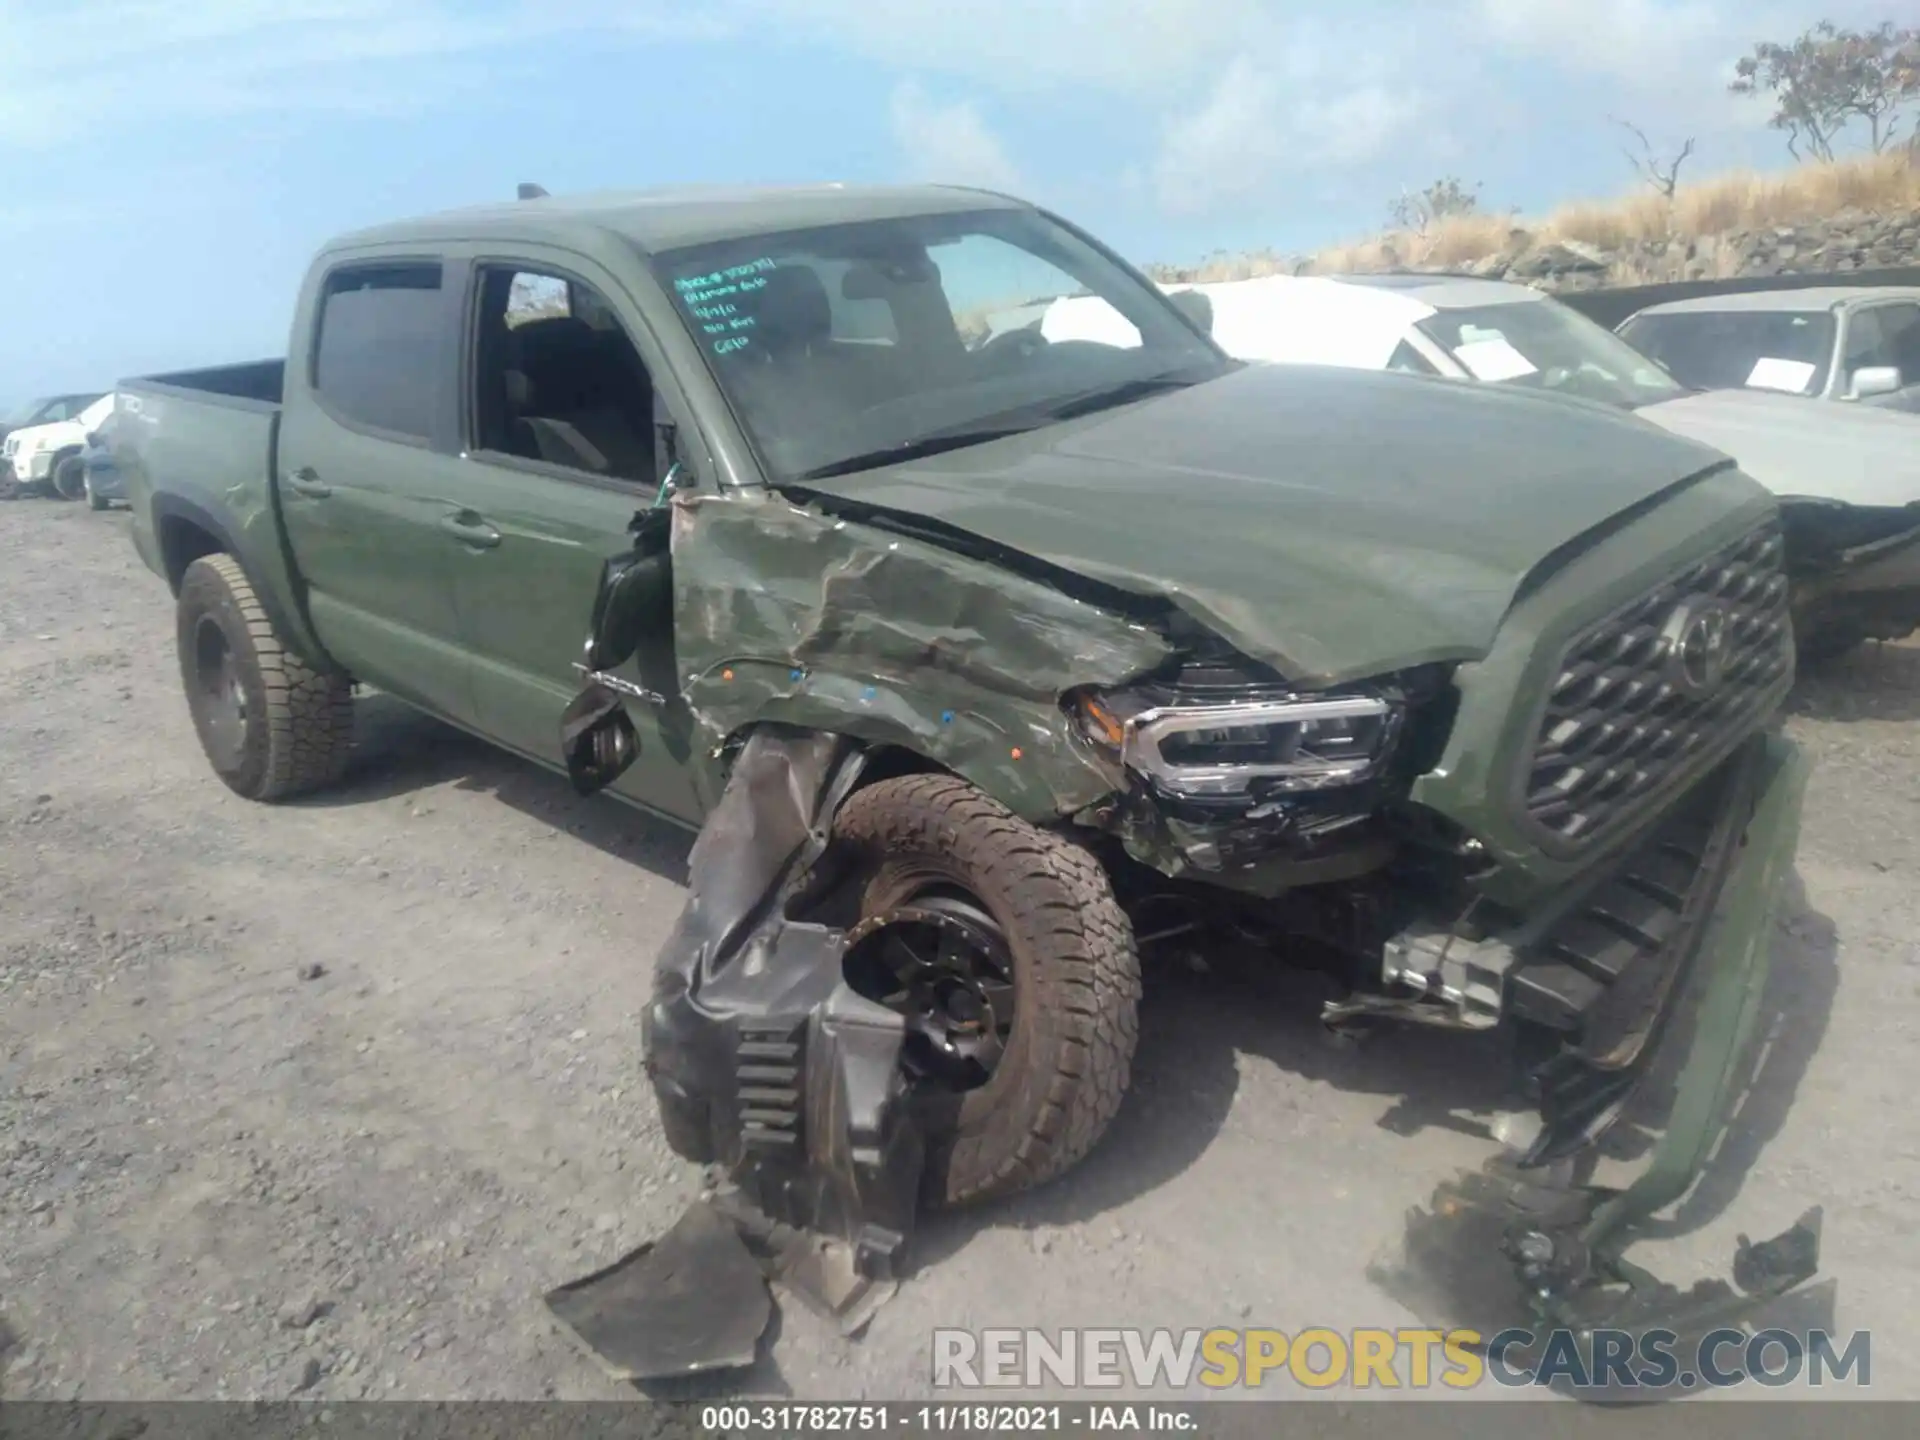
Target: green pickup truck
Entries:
(1464, 695)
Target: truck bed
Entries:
(198, 448)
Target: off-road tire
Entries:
(94, 502)
(1076, 977)
(67, 481)
(299, 720)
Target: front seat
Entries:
(583, 403)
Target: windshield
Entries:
(1546, 346)
(851, 346)
(1788, 350)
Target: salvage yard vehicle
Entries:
(971, 665)
(1848, 478)
(40, 438)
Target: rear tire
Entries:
(1076, 976)
(272, 726)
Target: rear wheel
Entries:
(272, 726)
(1004, 947)
(94, 502)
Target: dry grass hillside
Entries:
(1726, 204)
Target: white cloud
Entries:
(1141, 48)
(1297, 106)
(950, 143)
(1669, 60)
(141, 61)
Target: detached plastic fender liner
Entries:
(768, 1065)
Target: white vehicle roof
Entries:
(1810, 297)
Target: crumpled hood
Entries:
(1828, 450)
(1335, 523)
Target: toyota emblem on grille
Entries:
(1695, 637)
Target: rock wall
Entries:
(1847, 242)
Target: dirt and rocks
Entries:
(316, 1101)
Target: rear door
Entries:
(368, 456)
(563, 453)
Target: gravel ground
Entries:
(316, 1101)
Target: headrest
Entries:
(540, 340)
(792, 308)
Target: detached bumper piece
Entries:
(770, 1069)
(1521, 1245)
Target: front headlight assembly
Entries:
(1261, 745)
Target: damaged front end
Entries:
(1855, 570)
(811, 651)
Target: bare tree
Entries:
(1830, 78)
(1659, 168)
(1418, 210)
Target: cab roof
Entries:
(666, 219)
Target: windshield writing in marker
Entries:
(715, 299)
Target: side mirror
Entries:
(1874, 380)
(1196, 307)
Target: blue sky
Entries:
(168, 165)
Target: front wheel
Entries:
(272, 725)
(1004, 946)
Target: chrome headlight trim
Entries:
(1143, 734)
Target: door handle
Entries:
(469, 529)
(306, 481)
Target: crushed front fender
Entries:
(1509, 1247)
(788, 615)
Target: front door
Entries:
(366, 454)
(562, 457)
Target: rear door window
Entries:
(379, 359)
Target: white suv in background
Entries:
(48, 456)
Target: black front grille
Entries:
(1626, 715)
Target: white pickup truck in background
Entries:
(48, 456)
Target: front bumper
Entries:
(1510, 1246)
